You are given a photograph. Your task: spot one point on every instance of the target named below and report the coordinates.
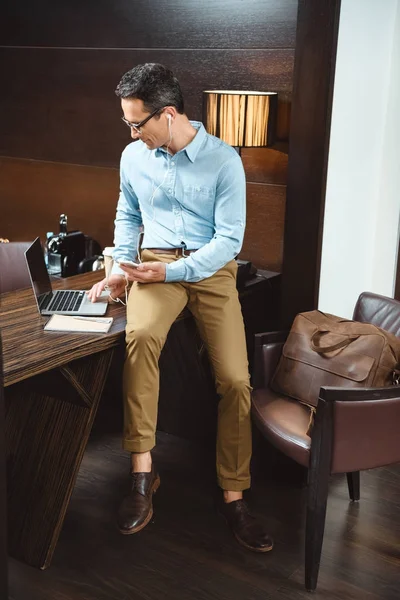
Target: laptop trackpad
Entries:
(94, 308)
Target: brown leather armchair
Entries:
(354, 429)
(14, 273)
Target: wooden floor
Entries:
(187, 553)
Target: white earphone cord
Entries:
(151, 201)
(141, 234)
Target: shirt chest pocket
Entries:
(199, 198)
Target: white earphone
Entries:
(169, 127)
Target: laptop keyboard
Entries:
(66, 301)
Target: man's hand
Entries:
(148, 272)
(116, 284)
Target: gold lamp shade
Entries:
(240, 118)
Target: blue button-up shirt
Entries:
(195, 199)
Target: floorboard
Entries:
(187, 552)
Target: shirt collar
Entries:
(192, 149)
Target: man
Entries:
(187, 189)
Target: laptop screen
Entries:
(37, 270)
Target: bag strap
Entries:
(322, 350)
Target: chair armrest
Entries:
(269, 337)
(267, 352)
(365, 426)
(341, 394)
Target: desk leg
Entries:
(48, 422)
(3, 520)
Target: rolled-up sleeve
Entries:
(128, 221)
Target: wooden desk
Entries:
(3, 519)
(54, 382)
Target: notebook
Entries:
(79, 324)
(62, 302)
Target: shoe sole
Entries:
(147, 520)
(259, 550)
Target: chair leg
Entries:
(353, 482)
(315, 525)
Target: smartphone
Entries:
(127, 263)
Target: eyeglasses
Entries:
(137, 126)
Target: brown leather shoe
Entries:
(248, 531)
(136, 510)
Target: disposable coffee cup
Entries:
(108, 260)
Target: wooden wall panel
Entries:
(263, 241)
(314, 73)
(265, 165)
(60, 104)
(33, 194)
(150, 23)
(284, 114)
(61, 62)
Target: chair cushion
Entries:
(284, 422)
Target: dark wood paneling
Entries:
(60, 104)
(33, 195)
(264, 226)
(284, 114)
(144, 23)
(62, 61)
(265, 165)
(3, 520)
(314, 71)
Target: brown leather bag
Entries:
(326, 350)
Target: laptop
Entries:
(59, 302)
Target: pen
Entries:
(93, 319)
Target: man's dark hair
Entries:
(154, 84)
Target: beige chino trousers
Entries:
(152, 309)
